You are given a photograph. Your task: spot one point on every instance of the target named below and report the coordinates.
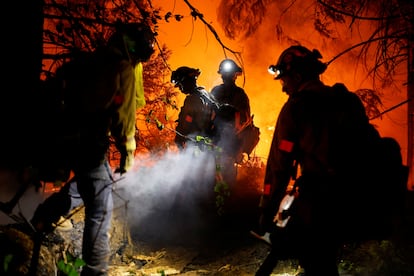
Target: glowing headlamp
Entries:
(272, 69)
(227, 67)
(275, 70)
(176, 81)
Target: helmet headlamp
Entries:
(183, 73)
(177, 80)
(272, 69)
(300, 60)
(229, 66)
(275, 70)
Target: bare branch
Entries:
(196, 13)
(354, 16)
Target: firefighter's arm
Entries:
(196, 110)
(281, 162)
(123, 128)
(245, 107)
(242, 116)
(277, 177)
(279, 169)
(139, 82)
(184, 122)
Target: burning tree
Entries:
(71, 26)
(383, 31)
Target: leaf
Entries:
(7, 259)
(73, 272)
(167, 16)
(79, 263)
(69, 257)
(62, 266)
(178, 17)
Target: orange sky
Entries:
(193, 45)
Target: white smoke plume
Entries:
(168, 193)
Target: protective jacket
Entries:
(196, 117)
(315, 129)
(233, 117)
(102, 103)
(231, 94)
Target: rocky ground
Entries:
(223, 246)
(175, 241)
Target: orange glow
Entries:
(50, 188)
(193, 45)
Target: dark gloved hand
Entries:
(266, 215)
(126, 162)
(266, 223)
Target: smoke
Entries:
(260, 30)
(263, 29)
(240, 18)
(168, 193)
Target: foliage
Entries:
(195, 14)
(221, 189)
(375, 258)
(6, 262)
(72, 26)
(15, 251)
(386, 47)
(371, 101)
(85, 25)
(249, 12)
(156, 120)
(70, 265)
(382, 29)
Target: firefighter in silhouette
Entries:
(197, 114)
(232, 122)
(232, 119)
(307, 137)
(194, 133)
(104, 101)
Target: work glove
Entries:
(126, 162)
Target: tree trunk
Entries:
(22, 51)
(410, 117)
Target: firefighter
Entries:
(198, 111)
(194, 134)
(106, 107)
(304, 143)
(231, 121)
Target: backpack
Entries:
(362, 194)
(373, 196)
(58, 115)
(249, 137)
(239, 141)
(386, 186)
